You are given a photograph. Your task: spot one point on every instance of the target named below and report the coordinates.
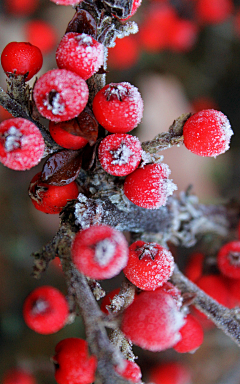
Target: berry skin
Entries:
(192, 336)
(51, 198)
(18, 376)
(124, 54)
(170, 373)
(64, 138)
(194, 266)
(149, 265)
(207, 133)
(153, 321)
(72, 362)
(118, 107)
(45, 310)
(120, 154)
(80, 53)
(20, 58)
(100, 252)
(41, 34)
(149, 187)
(21, 144)
(130, 371)
(60, 95)
(228, 259)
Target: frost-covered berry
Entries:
(207, 133)
(149, 265)
(18, 376)
(149, 187)
(130, 371)
(228, 259)
(170, 373)
(60, 95)
(153, 321)
(80, 53)
(51, 198)
(21, 59)
(100, 252)
(118, 107)
(120, 154)
(21, 144)
(65, 138)
(45, 310)
(192, 335)
(72, 363)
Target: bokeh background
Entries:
(185, 58)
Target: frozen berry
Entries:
(207, 133)
(65, 138)
(120, 154)
(170, 289)
(21, 59)
(100, 252)
(118, 107)
(42, 34)
(80, 53)
(60, 95)
(170, 373)
(130, 371)
(72, 363)
(18, 376)
(149, 187)
(153, 321)
(228, 259)
(21, 144)
(192, 335)
(51, 198)
(45, 310)
(149, 265)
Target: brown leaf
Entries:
(89, 156)
(83, 22)
(88, 126)
(62, 167)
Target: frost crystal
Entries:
(12, 139)
(104, 252)
(122, 155)
(52, 103)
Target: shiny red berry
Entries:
(21, 144)
(118, 107)
(51, 198)
(21, 59)
(149, 265)
(124, 54)
(120, 154)
(18, 376)
(192, 335)
(228, 259)
(65, 138)
(130, 371)
(100, 252)
(149, 187)
(60, 95)
(72, 362)
(207, 133)
(45, 310)
(170, 373)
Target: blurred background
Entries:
(185, 58)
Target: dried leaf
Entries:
(88, 126)
(89, 156)
(83, 22)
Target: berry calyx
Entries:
(21, 59)
(100, 252)
(207, 133)
(64, 138)
(228, 259)
(21, 144)
(60, 95)
(51, 198)
(45, 310)
(130, 371)
(149, 265)
(120, 154)
(18, 376)
(80, 53)
(72, 363)
(192, 335)
(106, 302)
(118, 107)
(149, 187)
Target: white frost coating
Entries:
(104, 252)
(12, 139)
(56, 107)
(122, 155)
(84, 39)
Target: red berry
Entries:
(124, 54)
(41, 34)
(51, 198)
(170, 373)
(192, 335)
(149, 187)
(207, 133)
(153, 321)
(20, 8)
(64, 138)
(80, 53)
(170, 289)
(100, 252)
(4, 114)
(130, 371)
(60, 95)
(213, 11)
(108, 299)
(118, 107)
(18, 376)
(183, 35)
(21, 144)
(21, 58)
(228, 259)
(120, 154)
(194, 266)
(149, 265)
(72, 362)
(45, 310)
